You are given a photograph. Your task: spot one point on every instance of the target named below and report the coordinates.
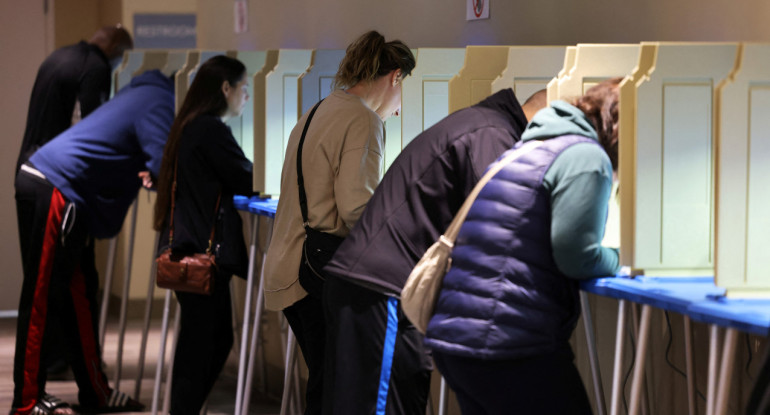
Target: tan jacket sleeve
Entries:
(360, 168)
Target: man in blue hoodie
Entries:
(77, 187)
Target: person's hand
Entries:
(146, 179)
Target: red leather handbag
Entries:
(193, 273)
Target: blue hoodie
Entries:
(95, 163)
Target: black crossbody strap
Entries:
(300, 178)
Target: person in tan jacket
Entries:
(342, 164)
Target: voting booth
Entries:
(594, 63)
(276, 110)
(243, 126)
(569, 61)
(482, 65)
(317, 82)
(529, 69)
(666, 145)
(586, 65)
(743, 167)
(425, 93)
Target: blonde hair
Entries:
(370, 57)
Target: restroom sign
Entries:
(164, 31)
(477, 9)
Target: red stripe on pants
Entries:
(91, 355)
(39, 310)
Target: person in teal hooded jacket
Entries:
(509, 304)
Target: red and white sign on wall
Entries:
(241, 16)
(477, 9)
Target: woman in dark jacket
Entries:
(509, 304)
(209, 167)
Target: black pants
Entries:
(59, 280)
(375, 359)
(205, 340)
(306, 319)
(541, 385)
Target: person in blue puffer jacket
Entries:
(509, 303)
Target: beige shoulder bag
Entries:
(420, 293)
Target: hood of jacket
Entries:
(559, 119)
(506, 103)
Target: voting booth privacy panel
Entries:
(743, 169)
(276, 110)
(425, 93)
(667, 153)
(482, 65)
(529, 69)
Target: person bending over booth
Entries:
(508, 305)
(204, 165)
(376, 362)
(71, 83)
(342, 164)
(78, 187)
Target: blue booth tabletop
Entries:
(264, 207)
(747, 315)
(242, 202)
(668, 293)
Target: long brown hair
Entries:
(600, 105)
(205, 97)
(370, 57)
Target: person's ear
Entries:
(395, 77)
(226, 88)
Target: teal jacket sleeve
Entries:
(580, 182)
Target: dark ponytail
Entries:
(205, 97)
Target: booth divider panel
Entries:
(529, 69)
(674, 203)
(483, 64)
(425, 93)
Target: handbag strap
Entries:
(173, 204)
(300, 177)
(457, 222)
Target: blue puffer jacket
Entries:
(533, 232)
(504, 296)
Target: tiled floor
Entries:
(221, 399)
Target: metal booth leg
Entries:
(690, 365)
(255, 327)
(726, 371)
(641, 356)
(246, 314)
(161, 353)
(112, 251)
(124, 299)
(169, 374)
(147, 318)
(592, 353)
(713, 369)
(291, 351)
